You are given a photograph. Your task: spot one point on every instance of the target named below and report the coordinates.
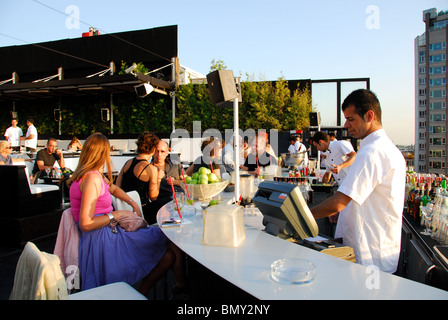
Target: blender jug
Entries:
(247, 188)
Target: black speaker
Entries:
(221, 86)
(314, 119)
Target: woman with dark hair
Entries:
(107, 254)
(211, 156)
(139, 175)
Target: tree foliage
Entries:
(265, 105)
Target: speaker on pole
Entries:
(221, 86)
(314, 119)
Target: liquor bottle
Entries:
(416, 204)
(411, 197)
(425, 199)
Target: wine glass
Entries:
(427, 213)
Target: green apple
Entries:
(208, 171)
(203, 179)
(212, 178)
(194, 181)
(187, 179)
(202, 170)
(195, 175)
(213, 202)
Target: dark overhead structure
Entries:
(89, 65)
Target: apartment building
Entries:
(431, 136)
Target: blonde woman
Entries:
(106, 254)
(5, 154)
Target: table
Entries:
(248, 267)
(117, 162)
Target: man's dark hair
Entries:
(363, 100)
(319, 135)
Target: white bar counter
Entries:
(248, 267)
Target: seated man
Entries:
(46, 158)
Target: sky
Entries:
(261, 40)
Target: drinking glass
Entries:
(180, 197)
(427, 213)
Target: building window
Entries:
(437, 58)
(437, 117)
(421, 146)
(437, 46)
(437, 164)
(437, 93)
(437, 82)
(422, 56)
(422, 103)
(422, 92)
(437, 70)
(422, 70)
(437, 141)
(437, 129)
(437, 105)
(437, 153)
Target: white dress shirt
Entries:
(337, 154)
(13, 135)
(371, 222)
(31, 143)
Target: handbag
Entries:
(132, 223)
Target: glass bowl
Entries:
(206, 191)
(293, 271)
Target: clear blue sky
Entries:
(293, 39)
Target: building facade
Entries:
(431, 136)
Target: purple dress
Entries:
(106, 257)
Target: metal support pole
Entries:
(236, 141)
(173, 110)
(111, 114)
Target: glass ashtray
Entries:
(293, 271)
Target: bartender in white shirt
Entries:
(340, 155)
(297, 146)
(371, 197)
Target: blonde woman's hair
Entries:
(94, 154)
(3, 145)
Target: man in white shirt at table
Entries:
(13, 134)
(371, 197)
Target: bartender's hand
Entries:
(336, 168)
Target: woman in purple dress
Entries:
(107, 254)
